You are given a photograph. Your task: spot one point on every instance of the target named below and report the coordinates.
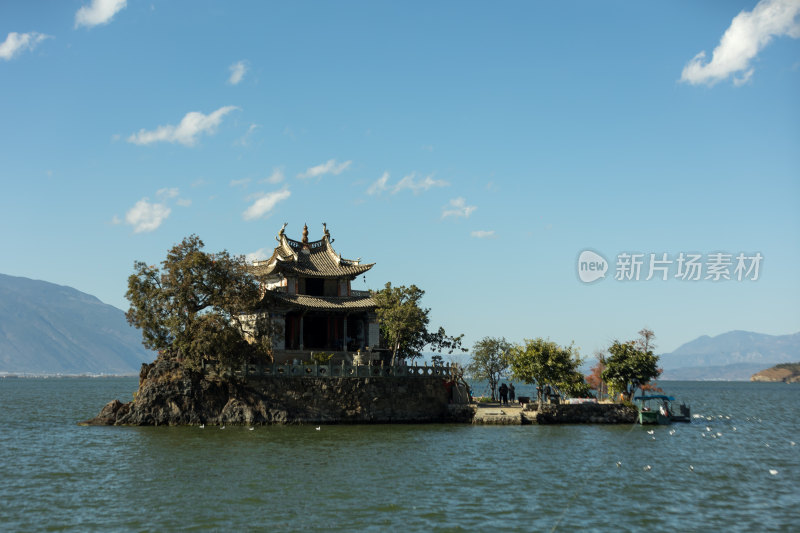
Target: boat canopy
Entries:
(655, 397)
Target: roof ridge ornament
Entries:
(280, 233)
(305, 234)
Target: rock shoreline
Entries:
(169, 394)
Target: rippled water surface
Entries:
(710, 475)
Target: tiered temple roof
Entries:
(315, 259)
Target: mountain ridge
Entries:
(47, 328)
(734, 356)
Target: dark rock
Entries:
(170, 394)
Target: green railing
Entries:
(335, 370)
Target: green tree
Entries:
(629, 367)
(490, 358)
(404, 323)
(190, 309)
(545, 362)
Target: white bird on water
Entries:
(647, 468)
(202, 426)
(251, 429)
(619, 464)
(691, 468)
(671, 431)
(318, 428)
(651, 432)
(773, 471)
(222, 427)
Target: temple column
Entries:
(344, 341)
(302, 323)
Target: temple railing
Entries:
(335, 370)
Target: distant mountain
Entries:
(53, 329)
(732, 356)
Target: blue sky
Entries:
(474, 149)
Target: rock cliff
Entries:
(169, 394)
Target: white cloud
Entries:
(238, 70)
(185, 133)
(274, 178)
(264, 203)
(417, 186)
(748, 34)
(258, 255)
(483, 234)
(17, 43)
(329, 167)
(183, 202)
(458, 208)
(98, 12)
(145, 216)
(379, 186)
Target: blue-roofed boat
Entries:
(658, 409)
(654, 409)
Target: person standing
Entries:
(503, 394)
(512, 395)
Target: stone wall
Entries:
(586, 413)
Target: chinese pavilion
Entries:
(307, 295)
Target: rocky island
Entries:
(170, 394)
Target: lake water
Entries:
(59, 476)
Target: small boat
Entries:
(654, 409)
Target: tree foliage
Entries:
(630, 366)
(546, 363)
(191, 307)
(404, 323)
(490, 358)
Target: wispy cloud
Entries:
(483, 234)
(264, 203)
(16, 43)
(145, 216)
(274, 178)
(185, 133)
(458, 208)
(748, 34)
(417, 186)
(238, 70)
(409, 182)
(244, 140)
(329, 167)
(379, 185)
(98, 12)
(167, 193)
(244, 182)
